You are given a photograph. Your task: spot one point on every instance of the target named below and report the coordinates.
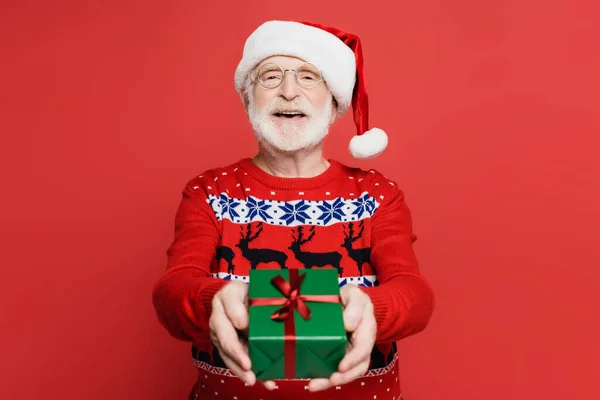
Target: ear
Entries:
(334, 110)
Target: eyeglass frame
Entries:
(284, 71)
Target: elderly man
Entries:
(290, 207)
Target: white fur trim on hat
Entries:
(368, 145)
(333, 57)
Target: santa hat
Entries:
(337, 54)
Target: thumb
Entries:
(235, 308)
(353, 311)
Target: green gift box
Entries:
(296, 323)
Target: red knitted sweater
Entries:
(239, 217)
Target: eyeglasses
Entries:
(270, 75)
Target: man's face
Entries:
(289, 117)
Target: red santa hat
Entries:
(337, 54)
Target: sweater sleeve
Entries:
(403, 301)
(182, 297)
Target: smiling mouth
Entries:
(289, 114)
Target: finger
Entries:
(232, 347)
(353, 312)
(236, 311)
(227, 338)
(270, 385)
(318, 384)
(363, 340)
(246, 376)
(341, 378)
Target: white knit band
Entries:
(332, 56)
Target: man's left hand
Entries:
(359, 320)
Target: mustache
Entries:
(297, 105)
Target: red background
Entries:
(107, 108)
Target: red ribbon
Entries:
(293, 301)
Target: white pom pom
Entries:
(368, 145)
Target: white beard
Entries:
(290, 136)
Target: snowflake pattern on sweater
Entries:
(292, 213)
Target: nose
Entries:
(289, 88)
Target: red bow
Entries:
(293, 299)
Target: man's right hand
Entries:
(228, 319)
